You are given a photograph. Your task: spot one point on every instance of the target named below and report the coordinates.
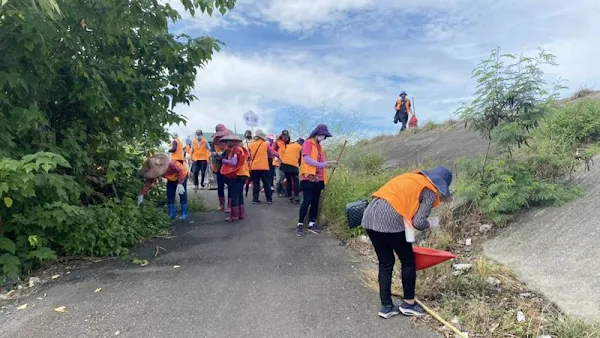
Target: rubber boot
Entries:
(184, 211)
(221, 203)
(228, 210)
(234, 215)
(172, 211)
(242, 212)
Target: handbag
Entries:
(355, 212)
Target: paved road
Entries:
(251, 279)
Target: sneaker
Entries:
(411, 309)
(299, 230)
(256, 202)
(292, 200)
(314, 229)
(269, 202)
(388, 311)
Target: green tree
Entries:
(87, 89)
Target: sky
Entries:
(285, 59)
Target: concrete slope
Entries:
(441, 145)
(557, 250)
(250, 279)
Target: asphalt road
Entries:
(250, 279)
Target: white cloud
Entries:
(357, 45)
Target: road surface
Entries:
(250, 279)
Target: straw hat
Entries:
(155, 166)
(231, 137)
(260, 134)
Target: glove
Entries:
(180, 190)
(434, 223)
(140, 199)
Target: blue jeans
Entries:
(172, 189)
(220, 185)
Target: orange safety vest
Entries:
(259, 156)
(245, 169)
(403, 192)
(305, 168)
(281, 148)
(200, 151)
(173, 176)
(292, 154)
(177, 155)
(406, 104)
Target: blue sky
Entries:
(284, 59)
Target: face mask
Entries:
(320, 138)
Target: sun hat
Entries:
(199, 132)
(321, 130)
(260, 134)
(441, 177)
(402, 93)
(155, 166)
(231, 137)
(220, 131)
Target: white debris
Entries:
(364, 239)
(484, 228)
(33, 281)
(468, 242)
(462, 267)
(545, 336)
(526, 295)
(520, 317)
(493, 281)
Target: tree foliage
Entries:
(87, 89)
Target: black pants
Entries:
(265, 176)
(235, 191)
(220, 185)
(271, 172)
(311, 193)
(291, 176)
(401, 117)
(199, 167)
(385, 245)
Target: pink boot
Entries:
(234, 215)
(242, 211)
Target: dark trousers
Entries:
(385, 245)
(172, 189)
(311, 193)
(220, 185)
(235, 190)
(293, 184)
(271, 172)
(403, 120)
(257, 176)
(199, 167)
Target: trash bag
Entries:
(412, 123)
(355, 211)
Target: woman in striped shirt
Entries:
(398, 207)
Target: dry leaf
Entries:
(98, 290)
(55, 276)
(10, 292)
(145, 263)
(61, 309)
(22, 307)
(175, 266)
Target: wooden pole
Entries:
(330, 176)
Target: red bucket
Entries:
(426, 257)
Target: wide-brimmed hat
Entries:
(220, 131)
(155, 166)
(199, 132)
(260, 134)
(402, 93)
(441, 177)
(321, 130)
(231, 137)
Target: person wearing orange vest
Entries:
(176, 173)
(260, 151)
(218, 152)
(398, 207)
(235, 168)
(403, 109)
(280, 147)
(312, 178)
(290, 162)
(200, 154)
(177, 152)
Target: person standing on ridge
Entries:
(403, 110)
(200, 153)
(177, 152)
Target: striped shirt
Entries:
(380, 216)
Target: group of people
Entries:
(397, 208)
(281, 166)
